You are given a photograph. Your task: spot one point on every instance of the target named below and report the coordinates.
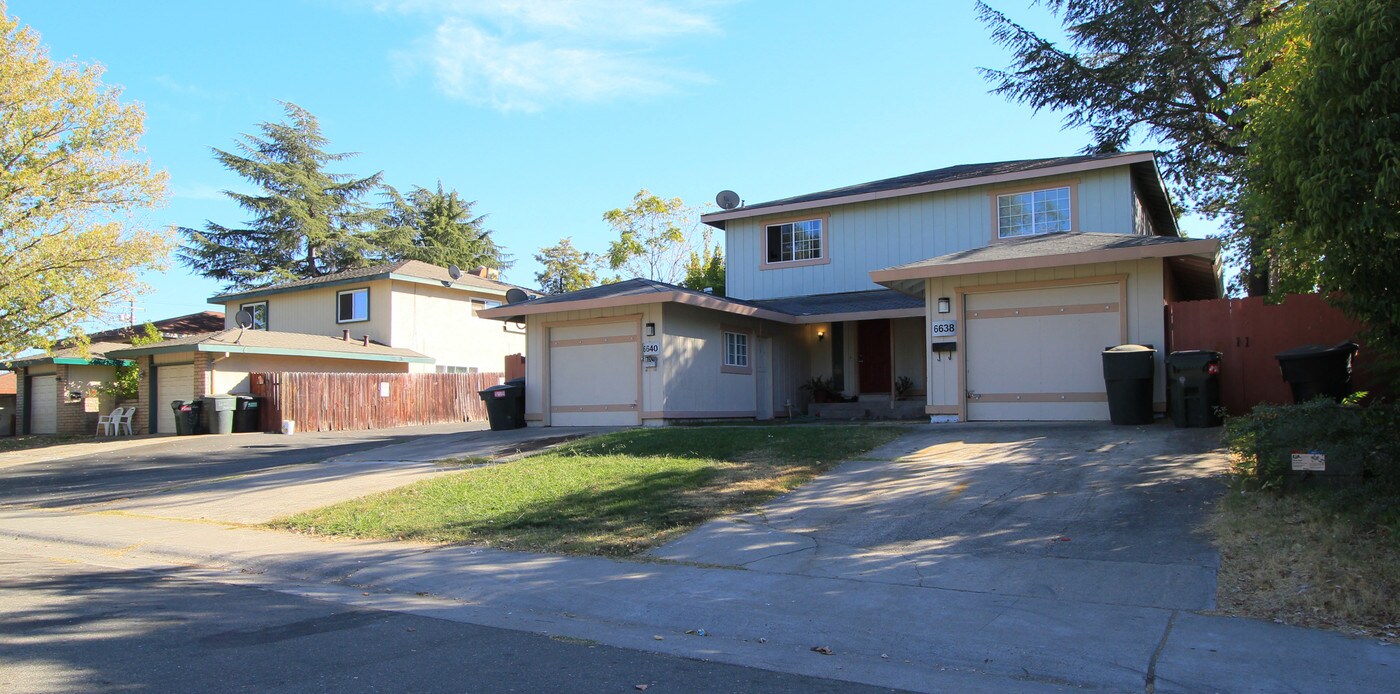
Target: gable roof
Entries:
(96, 354)
(403, 270)
(238, 341)
(1144, 172)
(202, 322)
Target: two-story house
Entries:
(991, 289)
(401, 317)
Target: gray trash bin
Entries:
(221, 408)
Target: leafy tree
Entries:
(305, 222)
(653, 237)
(70, 190)
(128, 378)
(1324, 151)
(438, 227)
(705, 268)
(1159, 69)
(566, 269)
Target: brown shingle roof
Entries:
(194, 323)
(7, 384)
(409, 268)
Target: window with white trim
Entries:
(352, 305)
(792, 241)
(1033, 212)
(736, 350)
(259, 312)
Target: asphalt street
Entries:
(67, 627)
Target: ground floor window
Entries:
(736, 352)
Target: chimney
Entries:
(481, 271)
(364, 340)
(345, 335)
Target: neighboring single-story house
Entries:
(192, 367)
(989, 289)
(58, 392)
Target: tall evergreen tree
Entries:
(438, 227)
(305, 222)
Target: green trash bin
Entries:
(1194, 377)
(187, 416)
(180, 425)
(221, 408)
(245, 415)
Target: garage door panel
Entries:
(172, 383)
(43, 405)
(1035, 354)
(593, 374)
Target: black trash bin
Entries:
(1315, 371)
(505, 404)
(188, 417)
(246, 414)
(1128, 374)
(1194, 377)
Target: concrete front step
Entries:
(898, 409)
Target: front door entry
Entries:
(873, 355)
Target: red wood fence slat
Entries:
(1249, 332)
(344, 402)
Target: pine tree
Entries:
(438, 227)
(305, 222)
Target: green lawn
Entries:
(616, 494)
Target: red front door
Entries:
(873, 355)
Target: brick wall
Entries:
(142, 423)
(20, 398)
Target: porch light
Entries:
(945, 305)
(651, 330)
(821, 335)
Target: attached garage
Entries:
(1034, 354)
(594, 373)
(43, 404)
(174, 382)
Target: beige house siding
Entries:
(230, 375)
(537, 346)
(692, 352)
(1142, 316)
(313, 310)
(442, 323)
(863, 236)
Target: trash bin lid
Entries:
(1311, 351)
(1129, 349)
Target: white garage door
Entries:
(594, 371)
(172, 383)
(1036, 354)
(43, 405)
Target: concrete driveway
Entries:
(1079, 512)
(254, 478)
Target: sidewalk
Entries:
(902, 636)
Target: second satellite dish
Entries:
(516, 295)
(244, 318)
(454, 272)
(727, 199)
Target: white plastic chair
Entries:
(107, 424)
(124, 422)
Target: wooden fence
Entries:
(349, 401)
(1249, 332)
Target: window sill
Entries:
(793, 263)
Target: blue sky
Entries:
(549, 113)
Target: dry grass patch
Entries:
(617, 494)
(1305, 559)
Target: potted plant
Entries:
(821, 389)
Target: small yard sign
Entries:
(1313, 461)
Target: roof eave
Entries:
(270, 291)
(716, 219)
(277, 351)
(1201, 247)
(512, 311)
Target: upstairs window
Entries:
(352, 305)
(1033, 212)
(795, 241)
(259, 312)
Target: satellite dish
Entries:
(454, 272)
(244, 318)
(516, 295)
(727, 199)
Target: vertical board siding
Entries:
(877, 234)
(347, 402)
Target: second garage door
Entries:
(594, 372)
(43, 405)
(172, 383)
(1036, 354)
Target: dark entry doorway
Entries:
(873, 355)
